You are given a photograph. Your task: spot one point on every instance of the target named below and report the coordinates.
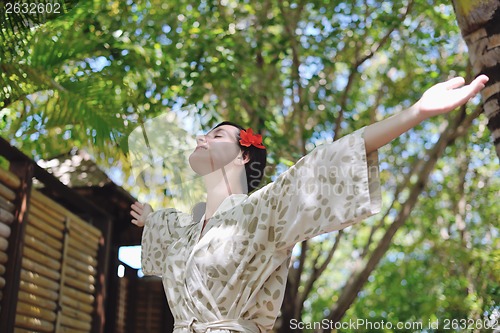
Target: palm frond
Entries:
(19, 18)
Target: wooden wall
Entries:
(57, 277)
(141, 305)
(53, 261)
(150, 307)
(58, 260)
(8, 186)
(59, 266)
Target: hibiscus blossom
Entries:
(249, 139)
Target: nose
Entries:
(201, 139)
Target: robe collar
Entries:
(230, 202)
(227, 204)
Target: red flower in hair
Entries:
(249, 139)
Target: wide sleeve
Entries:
(155, 236)
(334, 186)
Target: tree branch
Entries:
(297, 91)
(317, 271)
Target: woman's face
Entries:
(215, 150)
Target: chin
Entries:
(200, 164)
(205, 161)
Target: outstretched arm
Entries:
(440, 98)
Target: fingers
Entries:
(137, 205)
(479, 82)
(475, 86)
(481, 79)
(136, 212)
(138, 223)
(456, 82)
(135, 215)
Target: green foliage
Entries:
(449, 269)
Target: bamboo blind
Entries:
(9, 183)
(59, 265)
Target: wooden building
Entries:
(59, 252)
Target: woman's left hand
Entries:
(446, 96)
(140, 212)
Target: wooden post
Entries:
(99, 316)
(24, 170)
(113, 295)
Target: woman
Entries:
(226, 271)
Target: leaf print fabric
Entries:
(233, 277)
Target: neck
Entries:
(219, 185)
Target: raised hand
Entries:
(440, 98)
(139, 213)
(446, 96)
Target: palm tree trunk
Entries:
(479, 22)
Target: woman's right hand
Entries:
(139, 213)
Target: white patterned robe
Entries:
(232, 278)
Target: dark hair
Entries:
(257, 160)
